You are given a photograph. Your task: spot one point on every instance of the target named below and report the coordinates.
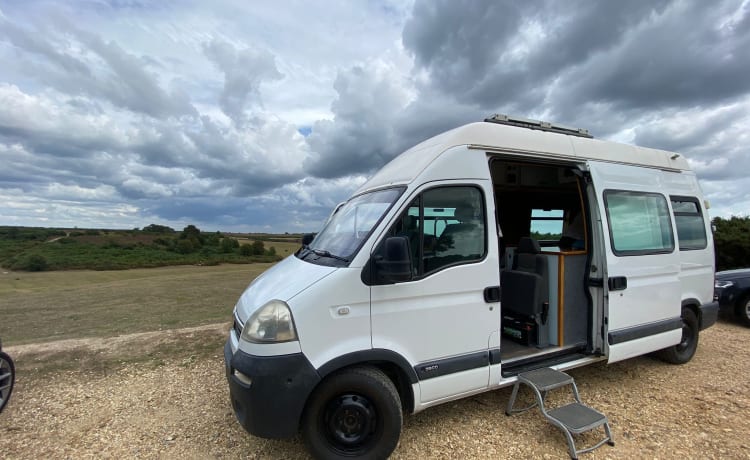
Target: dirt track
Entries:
(181, 409)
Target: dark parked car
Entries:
(732, 290)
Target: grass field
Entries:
(47, 306)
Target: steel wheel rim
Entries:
(747, 309)
(349, 422)
(687, 334)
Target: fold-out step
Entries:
(573, 418)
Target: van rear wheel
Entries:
(353, 413)
(683, 351)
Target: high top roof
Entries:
(496, 137)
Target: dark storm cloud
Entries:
(605, 66)
(361, 136)
(640, 54)
(690, 55)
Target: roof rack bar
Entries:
(539, 125)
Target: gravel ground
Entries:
(181, 409)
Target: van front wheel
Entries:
(684, 351)
(353, 413)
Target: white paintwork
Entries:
(444, 315)
(281, 282)
(638, 347)
(323, 333)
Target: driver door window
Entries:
(445, 226)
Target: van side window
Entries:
(639, 223)
(691, 229)
(445, 226)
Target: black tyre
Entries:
(353, 413)
(7, 379)
(683, 351)
(742, 310)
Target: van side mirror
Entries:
(395, 265)
(307, 238)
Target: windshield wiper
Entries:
(324, 253)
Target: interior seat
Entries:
(525, 292)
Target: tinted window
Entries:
(639, 223)
(691, 229)
(445, 226)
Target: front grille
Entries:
(237, 328)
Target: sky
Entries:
(261, 116)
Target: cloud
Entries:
(235, 116)
(362, 135)
(244, 71)
(74, 61)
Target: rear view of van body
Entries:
(489, 250)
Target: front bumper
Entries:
(271, 405)
(727, 297)
(709, 314)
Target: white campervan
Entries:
(483, 253)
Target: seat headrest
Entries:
(465, 213)
(528, 245)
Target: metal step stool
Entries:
(573, 418)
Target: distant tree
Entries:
(732, 242)
(258, 248)
(193, 234)
(229, 244)
(153, 228)
(271, 251)
(246, 250)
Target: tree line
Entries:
(732, 242)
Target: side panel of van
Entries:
(694, 237)
(642, 283)
(440, 321)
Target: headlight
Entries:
(271, 323)
(719, 284)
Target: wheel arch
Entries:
(392, 364)
(695, 306)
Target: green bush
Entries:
(228, 245)
(184, 247)
(258, 248)
(246, 250)
(34, 263)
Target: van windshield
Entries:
(349, 227)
